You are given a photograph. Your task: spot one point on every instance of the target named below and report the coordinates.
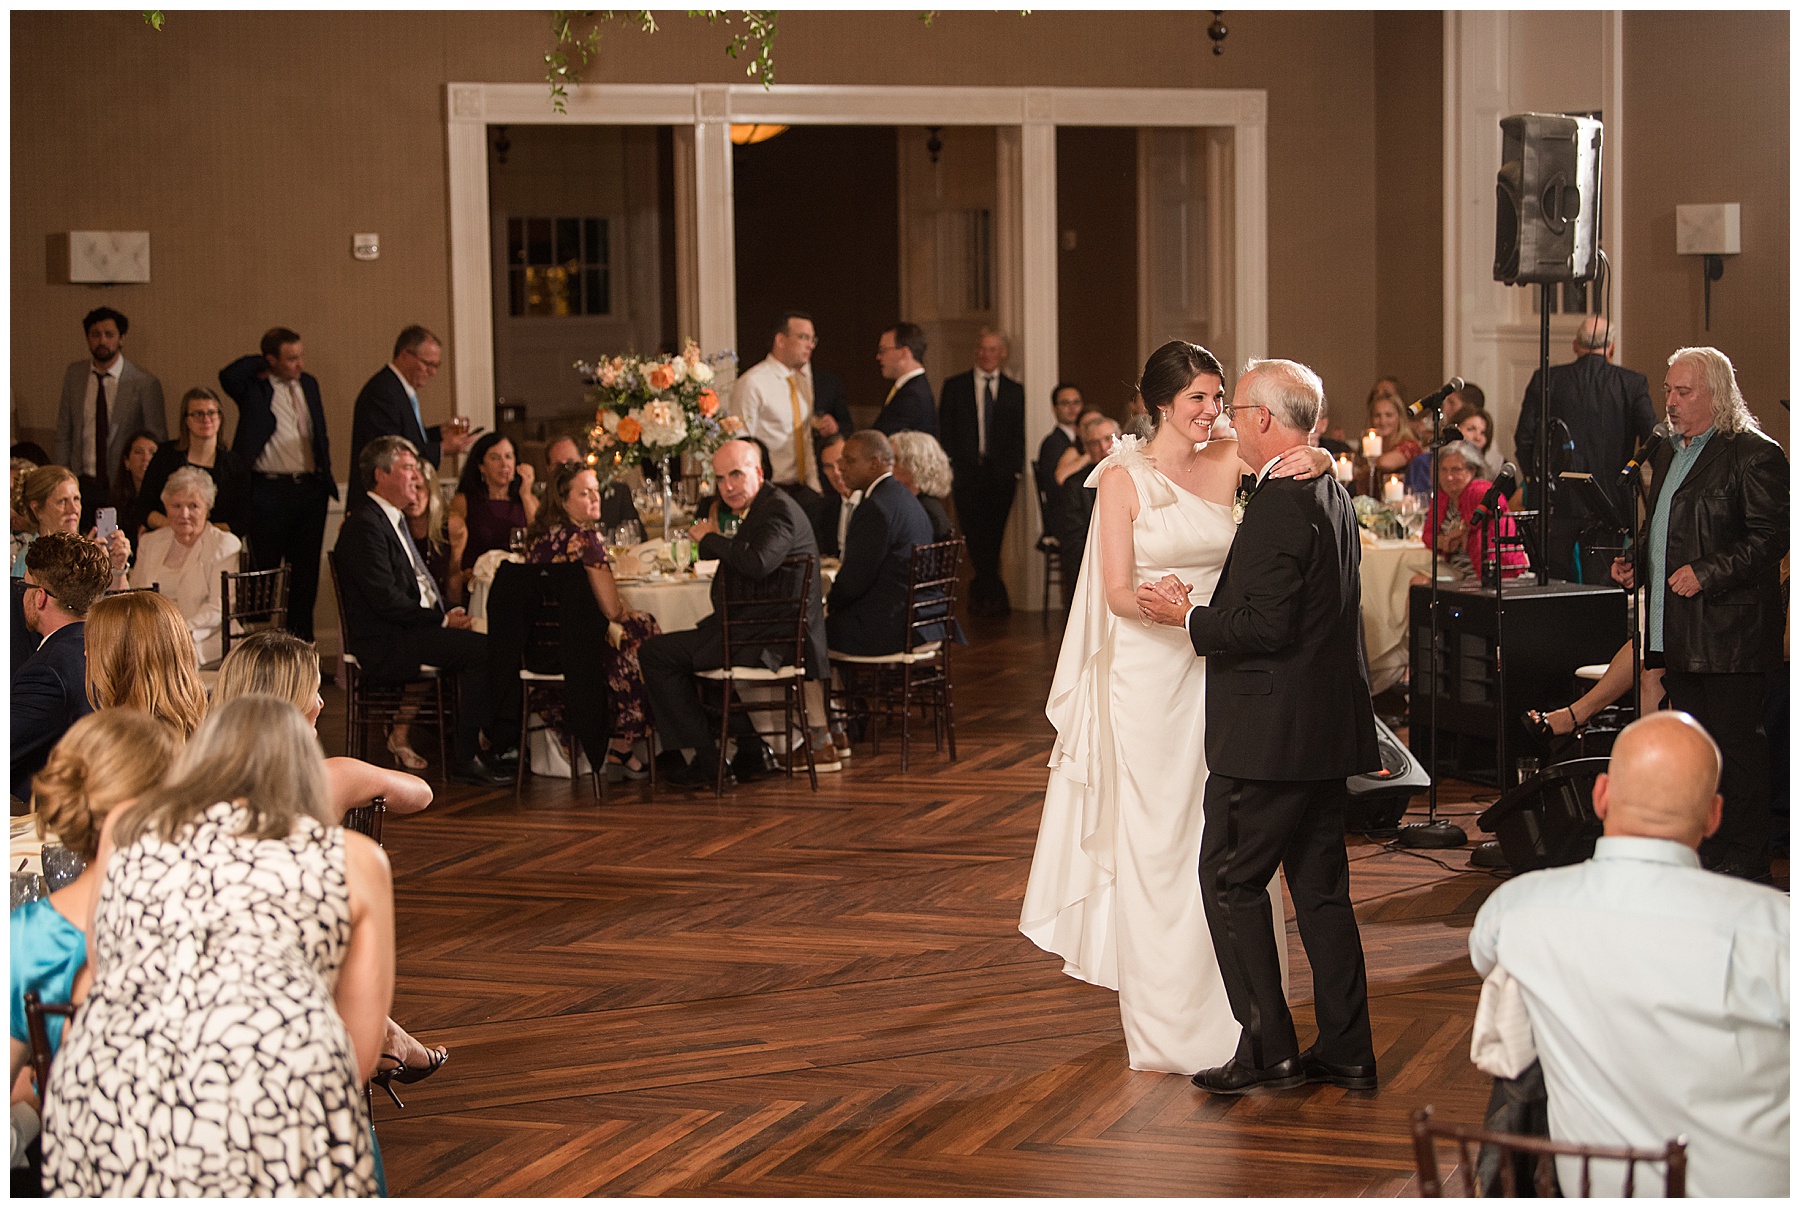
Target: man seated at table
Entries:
(1657, 991)
(395, 613)
(772, 530)
(868, 600)
(64, 575)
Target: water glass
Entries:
(515, 540)
(682, 550)
(728, 524)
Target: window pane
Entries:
(599, 301)
(595, 246)
(515, 241)
(568, 240)
(515, 289)
(538, 242)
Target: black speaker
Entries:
(1549, 820)
(1547, 216)
(1378, 799)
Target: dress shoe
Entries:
(841, 741)
(1234, 1079)
(475, 770)
(1350, 1077)
(696, 775)
(825, 759)
(754, 761)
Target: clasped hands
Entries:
(1164, 602)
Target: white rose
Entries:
(680, 367)
(610, 421)
(701, 372)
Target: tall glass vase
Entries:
(668, 501)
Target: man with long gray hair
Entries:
(1710, 562)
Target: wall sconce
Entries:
(934, 146)
(1709, 232)
(1217, 31)
(746, 134)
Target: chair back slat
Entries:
(931, 590)
(253, 598)
(39, 1035)
(769, 613)
(1426, 1133)
(366, 819)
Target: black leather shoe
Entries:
(475, 770)
(1349, 1077)
(1234, 1079)
(753, 763)
(696, 775)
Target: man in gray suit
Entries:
(106, 400)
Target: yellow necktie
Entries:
(800, 433)
(892, 391)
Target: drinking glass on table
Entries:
(682, 551)
(728, 522)
(515, 540)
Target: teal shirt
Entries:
(1683, 461)
(47, 952)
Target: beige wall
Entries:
(1706, 105)
(252, 145)
(1409, 204)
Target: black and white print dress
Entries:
(209, 1058)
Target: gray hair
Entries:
(1293, 393)
(191, 480)
(924, 460)
(1730, 412)
(381, 454)
(1595, 334)
(1470, 455)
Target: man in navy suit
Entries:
(909, 405)
(396, 616)
(281, 439)
(983, 417)
(64, 575)
(388, 404)
(866, 611)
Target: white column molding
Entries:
(715, 254)
(1250, 173)
(687, 229)
(471, 273)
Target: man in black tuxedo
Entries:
(982, 413)
(395, 613)
(1599, 414)
(831, 526)
(773, 529)
(868, 600)
(1287, 719)
(281, 440)
(909, 405)
(64, 575)
(388, 405)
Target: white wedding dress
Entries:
(1115, 884)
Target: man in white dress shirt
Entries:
(1657, 991)
(106, 400)
(774, 398)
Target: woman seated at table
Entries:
(493, 498)
(198, 445)
(51, 498)
(183, 560)
(923, 468)
(140, 655)
(1388, 419)
(128, 479)
(566, 531)
(1459, 538)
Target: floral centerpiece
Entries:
(655, 408)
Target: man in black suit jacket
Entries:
(868, 600)
(831, 410)
(388, 405)
(909, 405)
(1605, 411)
(1287, 719)
(982, 413)
(773, 529)
(281, 440)
(64, 575)
(396, 617)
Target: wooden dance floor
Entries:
(789, 993)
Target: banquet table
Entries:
(1388, 566)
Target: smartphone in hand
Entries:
(106, 523)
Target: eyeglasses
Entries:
(203, 415)
(1245, 407)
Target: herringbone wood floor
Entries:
(784, 993)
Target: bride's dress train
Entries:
(1115, 886)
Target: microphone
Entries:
(1436, 398)
(1505, 483)
(1646, 450)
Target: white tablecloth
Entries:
(676, 603)
(1387, 570)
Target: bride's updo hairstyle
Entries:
(1169, 371)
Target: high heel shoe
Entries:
(405, 756)
(1538, 725)
(624, 765)
(401, 1072)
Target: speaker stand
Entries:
(1432, 834)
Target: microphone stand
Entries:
(1433, 832)
(1543, 439)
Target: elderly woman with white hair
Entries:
(923, 468)
(184, 558)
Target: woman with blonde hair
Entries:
(140, 654)
(105, 760)
(923, 468)
(243, 965)
(50, 498)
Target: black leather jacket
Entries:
(1729, 521)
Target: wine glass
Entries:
(515, 540)
(728, 523)
(682, 550)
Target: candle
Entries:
(1392, 491)
(1371, 444)
(1342, 468)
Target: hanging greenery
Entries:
(752, 35)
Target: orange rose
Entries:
(661, 377)
(630, 430)
(709, 402)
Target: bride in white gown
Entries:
(1115, 887)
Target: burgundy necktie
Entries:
(100, 432)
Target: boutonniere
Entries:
(1238, 505)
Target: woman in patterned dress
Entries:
(565, 531)
(242, 948)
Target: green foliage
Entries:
(576, 43)
(154, 19)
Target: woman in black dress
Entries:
(493, 498)
(196, 444)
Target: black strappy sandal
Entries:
(401, 1072)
